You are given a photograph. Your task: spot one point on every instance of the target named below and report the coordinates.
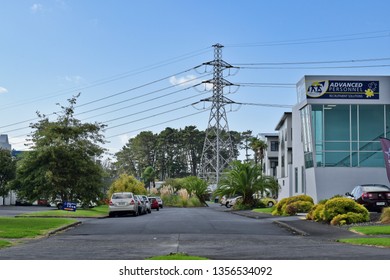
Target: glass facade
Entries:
(344, 135)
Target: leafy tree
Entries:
(127, 183)
(137, 154)
(7, 171)
(245, 179)
(149, 176)
(63, 159)
(192, 145)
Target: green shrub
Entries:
(385, 216)
(298, 207)
(239, 205)
(278, 207)
(318, 213)
(292, 205)
(340, 205)
(348, 218)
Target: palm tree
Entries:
(258, 146)
(246, 179)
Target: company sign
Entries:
(343, 89)
(69, 206)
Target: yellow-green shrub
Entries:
(348, 218)
(299, 203)
(126, 183)
(316, 213)
(298, 207)
(340, 205)
(385, 216)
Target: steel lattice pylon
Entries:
(218, 148)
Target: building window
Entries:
(306, 136)
(274, 146)
(296, 179)
(348, 135)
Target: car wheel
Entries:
(228, 205)
(270, 204)
(59, 206)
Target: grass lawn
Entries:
(372, 230)
(4, 243)
(177, 256)
(29, 227)
(264, 210)
(95, 212)
(374, 241)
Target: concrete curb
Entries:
(291, 228)
(50, 233)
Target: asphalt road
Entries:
(210, 232)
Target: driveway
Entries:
(210, 232)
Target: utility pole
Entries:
(218, 148)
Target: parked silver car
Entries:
(142, 208)
(147, 203)
(122, 203)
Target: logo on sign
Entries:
(317, 88)
(69, 206)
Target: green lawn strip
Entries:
(177, 256)
(5, 243)
(370, 241)
(372, 230)
(30, 227)
(95, 212)
(263, 210)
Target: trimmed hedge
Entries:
(339, 211)
(292, 205)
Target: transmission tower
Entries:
(218, 148)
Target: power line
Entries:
(325, 39)
(146, 127)
(315, 62)
(318, 67)
(113, 78)
(116, 94)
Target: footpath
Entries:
(300, 226)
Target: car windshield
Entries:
(121, 195)
(376, 189)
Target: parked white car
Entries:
(121, 203)
(231, 201)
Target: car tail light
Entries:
(367, 195)
(110, 202)
(132, 202)
(388, 195)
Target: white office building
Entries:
(334, 140)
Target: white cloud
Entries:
(184, 81)
(74, 79)
(3, 90)
(35, 8)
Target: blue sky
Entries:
(126, 58)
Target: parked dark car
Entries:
(372, 196)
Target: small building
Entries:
(271, 154)
(4, 144)
(284, 168)
(336, 128)
(11, 197)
